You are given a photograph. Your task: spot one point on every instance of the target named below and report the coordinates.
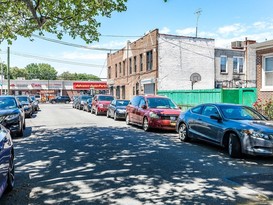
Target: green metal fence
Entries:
(189, 98)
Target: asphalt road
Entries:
(68, 156)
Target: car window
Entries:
(209, 110)
(122, 102)
(23, 99)
(7, 103)
(105, 98)
(197, 110)
(161, 103)
(142, 102)
(240, 113)
(135, 101)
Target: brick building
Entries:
(160, 62)
(264, 68)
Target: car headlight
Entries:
(11, 117)
(257, 134)
(153, 115)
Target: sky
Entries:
(224, 21)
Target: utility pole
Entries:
(8, 71)
(197, 13)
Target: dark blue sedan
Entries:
(117, 109)
(6, 161)
(240, 129)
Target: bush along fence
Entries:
(189, 98)
(264, 107)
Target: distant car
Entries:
(27, 104)
(152, 112)
(75, 101)
(81, 100)
(87, 105)
(117, 109)
(60, 99)
(240, 129)
(35, 103)
(12, 115)
(6, 161)
(100, 103)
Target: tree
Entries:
(78, 76)
(77, 18)
(16, 72)
(41, 71)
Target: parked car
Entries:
(117, 109)
(12, 115)
(35, 103)
(27, 104)
(87, 105)
(75, 100)
(152, 111)
(240, 129)
(100, 103)
(60, 99)
(81, 100)
(6, 161)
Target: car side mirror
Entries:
(144, 107)
(216, 117)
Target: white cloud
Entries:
(233, 29)
(76, 55)
(165, 30)
(186, 32)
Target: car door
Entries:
(141, 110)
(111, 108)
(210, 128)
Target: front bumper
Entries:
(257, 146)
(162, 124)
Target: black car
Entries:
(81, 100)
(60, 99)
(117, 109)
(12, 116)
(87, 105)
(27, 104)
(240, 129)
(35, 103)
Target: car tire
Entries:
(183, 133)
(24, 124)
(96, 112)
(234, 146)
(115, 116)
(145, 124)
(20, 132)
(10, 180)
(127, 119)
(53, 102)
(92, 111)
(107, 114)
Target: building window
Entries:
(223, 64)
(109, 72)
(124, 63)
(116, 70)
(149, 60)
(141, 62)
(123, 92)
(137, 88)
(130, 65)
(268, 71)
(135, 64)
(118, 92)
(238, 64)
(134, 93)
(119, 68)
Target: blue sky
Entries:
(224, 21)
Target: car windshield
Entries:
(23, 99)
(241, 113)
(122, 102)
(86, 98)
(161, 103)
(7, 103)
(105, 98)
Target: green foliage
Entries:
(78, 76)
(77, 18)
(264, 107)
(16, 72)
(41, 71)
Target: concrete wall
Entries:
(179, 57)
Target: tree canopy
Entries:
(77, 18)
(41, 71)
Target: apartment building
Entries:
(161, 62)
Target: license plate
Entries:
(173, 123)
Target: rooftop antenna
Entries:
(197, 13)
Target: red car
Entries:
(100, 103)
(152, 111)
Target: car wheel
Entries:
(21, 132)
(10, 180)
(24, 124)
(107, 114)
(96, 112)
(115, 116)
(234, 146)
(91, 110)
(127, 120)
(53, 102)
(145, 124)
(183, 133)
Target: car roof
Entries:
(223, 104)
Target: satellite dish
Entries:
(195, 77)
